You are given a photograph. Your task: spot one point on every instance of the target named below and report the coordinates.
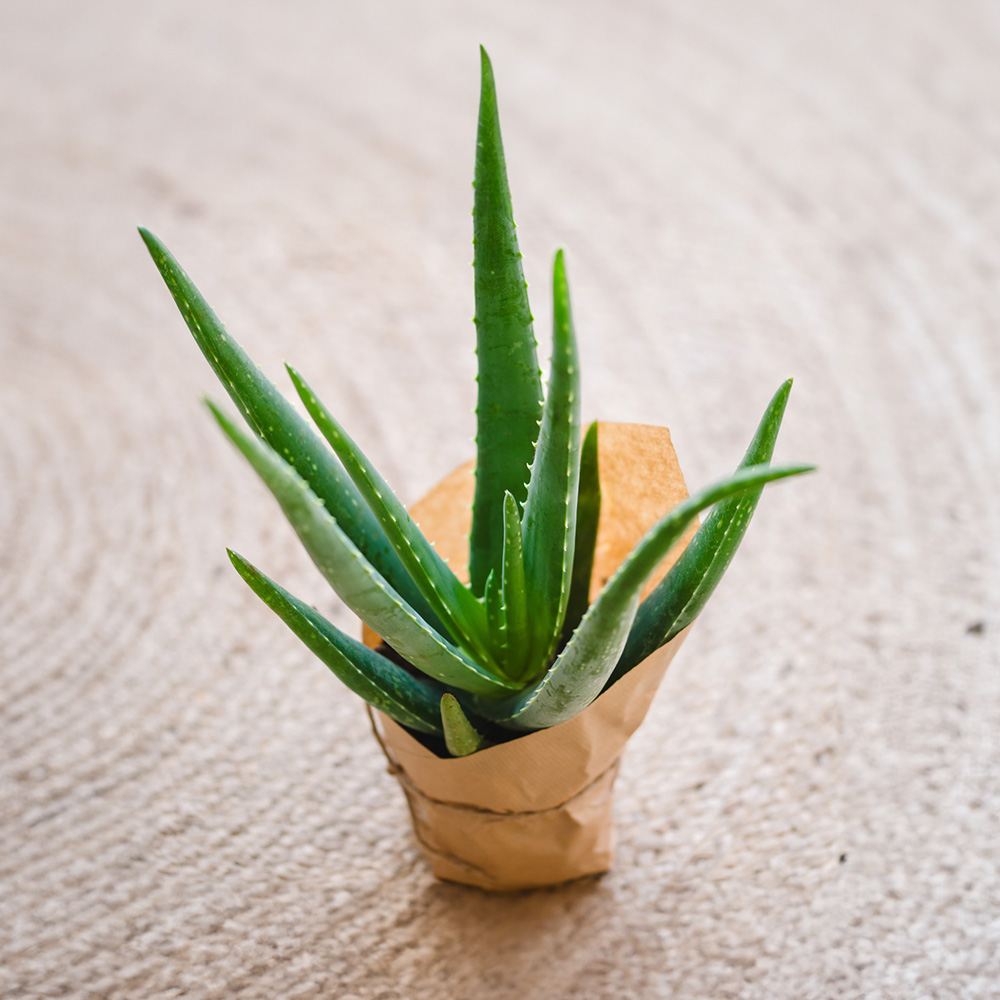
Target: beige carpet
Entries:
(190, 805)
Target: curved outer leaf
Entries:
(579, 672)
(460, 736)
(549, 523)
(588, 513)
(451, 600)
(410, 700)
(514, 594)
(359, 585)
(509, 406)
(275, 420)
(680, 596)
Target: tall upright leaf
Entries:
(509, 403)
(549, 522)
(680, 596)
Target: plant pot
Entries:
(537, 810)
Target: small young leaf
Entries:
(359, 585)
(410, 700)
(514, 594)
(496, 615)
(550, 511)
(509, 406)
(680, 596)
(460, 736)
(588, 513)
(580, 670)
(275, 420)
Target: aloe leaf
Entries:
(460, 736)
(509, 402)
(580, 670)
(452, 602)
(411, 701)
(514, 593)
(680, 596)
(549, 523)
(588, 513)
(276, 421)
(496, 615)
(357, 582)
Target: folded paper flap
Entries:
(505, 813)
(510, 851)
(640, 481)
(540, 770)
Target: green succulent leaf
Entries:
(509, 402)
(275, 420)
(514, 593)
(463, 615)
(680, 596)
(588, 513)
(549, 524)
(460, 736)
(581, 669)
(496, 615)
(357, 582)
(411, 701)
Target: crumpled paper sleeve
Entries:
(538, 810)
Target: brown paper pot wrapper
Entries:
(538, 810)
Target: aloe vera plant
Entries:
(518, 647)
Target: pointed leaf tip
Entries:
(156, 247)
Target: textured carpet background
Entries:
(191, 806)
